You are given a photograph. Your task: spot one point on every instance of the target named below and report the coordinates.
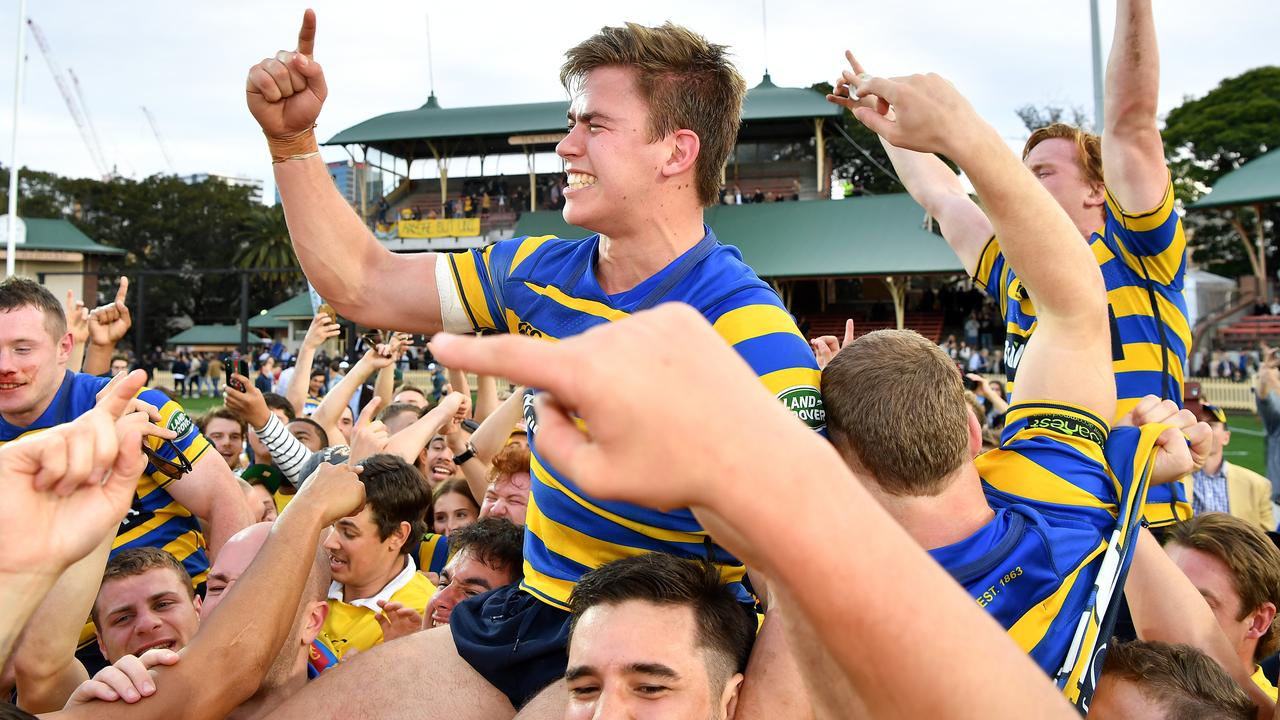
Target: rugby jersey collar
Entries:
(979, 553)
(653, 289)
(391, 588)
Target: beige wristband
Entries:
(293, 147)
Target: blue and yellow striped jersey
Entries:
(156, 519)
(1066, 494)
(1143, 262)
(546, 287)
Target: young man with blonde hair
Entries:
(653, 116)
(1237, 569)
(1127, 219)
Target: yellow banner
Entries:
(453, 227)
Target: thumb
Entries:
(119, 393)
(310, 69)
(368, 413)
(875, 122)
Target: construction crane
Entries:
(159, 140)
(79, 113)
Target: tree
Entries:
(1207, 137)
(862, 161)
(1038, 116)
(166, 223)
(264, 243)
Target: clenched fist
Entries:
(285, 92)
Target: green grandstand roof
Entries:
(61, 235)
(1257, 181)
(228, 335)
(870, 235)
(295, 308)
(769, 112)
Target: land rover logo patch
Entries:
(180, 424)
(806, 402)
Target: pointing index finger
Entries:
(123, 291)
(307, 35)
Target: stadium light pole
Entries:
(11, 247)
(1097, 65)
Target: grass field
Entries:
(1247, 446)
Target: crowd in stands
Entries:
(659, 499)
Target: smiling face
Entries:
(507, 497)
(31, 364)
(612, 167)
(227, 439)
(151, 609)
(452, 511)
(464, 577)
(358, 558)
(437, 462)
(640, 660)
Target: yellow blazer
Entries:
(1248, 493)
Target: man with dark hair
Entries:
(119, 364)
(1236, 567)
(265, 380)
(309, 433)
(146, 601)
(666, 625)
(653, 117)
(1127, 219)
(369, 556)
(1150, 680)
(483, 556)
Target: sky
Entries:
(187, 62)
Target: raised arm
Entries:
(486, 397)
(1132, 152)
(639, 452)
(45, 664)
(1037, 238)
(929, 181)
(107, 326)
(495, 430)
(64, 490)
(411, 440)
(322, 328)
(78, 325)
(363, 280)
(330, 410)
(237, 644)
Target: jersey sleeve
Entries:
(990, 272)
(188, 439)
(1051, 457)
(1153, 240)
(760, 329)
(477, 277)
